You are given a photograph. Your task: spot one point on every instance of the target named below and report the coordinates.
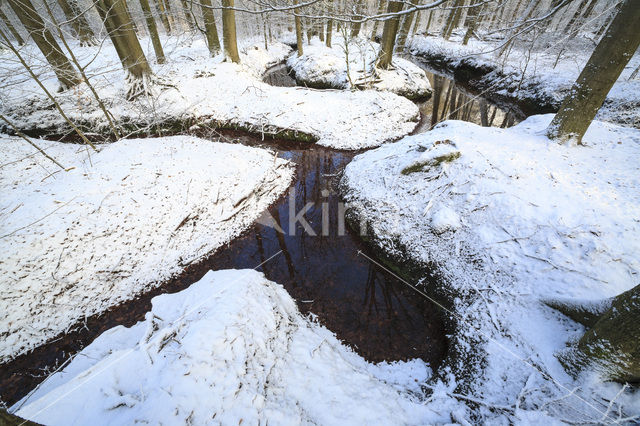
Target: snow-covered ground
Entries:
(321, 66)
(231, 349)
(121, 221)
(206, 91)
(533, 75)
(508, 219)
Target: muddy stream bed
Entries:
(368, 309)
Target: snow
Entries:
(232, 348)
(532, 73)
(199, 91)
(120, 222)
(321, 66)
(515, 220)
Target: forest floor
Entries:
(512, 220)
(194, 89)
(538, 72)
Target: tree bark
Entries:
(11, 28)
(188, 15)
(78, 22)
(210, 27)
(471, 21)
(355, 26)
(606, 63)
(611, 345)
(229, 32)
(45, 41)
(153, 31)
(376, 23)
(329, 33)
(389, 32)
(405, 28)
(298, 23)
(453, 19)
(120, 29)
(163, 16)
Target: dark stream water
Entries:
(378, 316)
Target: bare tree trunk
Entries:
(229, 31)
(298, 23)
(153, 31)
(376, 23)
(188, 15)
(11, 28)
(163, 15)
(404, 29)
(389, 32)
(453, 19)
(78, 22)
(329, 24)
(120, 29)
(472, 20)
(167, 8)
(210, 27)
(606, 63)
(45, 41)
(355, 26)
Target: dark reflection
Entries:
(279, 76)
(451, 101)
(368, 309)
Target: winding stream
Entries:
(379, 317)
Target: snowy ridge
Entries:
(514, 220)
(199, 90)
(123, 220)
(232, 348)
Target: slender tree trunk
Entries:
(404, 29)
(188, 15)
(355, 26)
(167, 8)
(298, 23)
(329, 32)
(229, 31)
(454, 19)
(78, 22)
(210, 27)
(120, 29)
(426, 29)
(45, 41)
(381, 6)
(11, 28)
(606, 63)
(153, 31)
(163, 15)
(389, 32)
(472, 20)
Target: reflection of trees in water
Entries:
(451, 102)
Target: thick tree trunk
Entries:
(229, 32)
(611, 345)
(120, 29)
(16, 35)
(45, 41)
(298, 23)
(606, 63)
(210, 27)
(153, 31)
(389, 32)
(78, 22)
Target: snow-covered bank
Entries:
(232, 348)
(508, 219)
(199, 90)
(537, 79)
(123, 220)
(324, 67)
